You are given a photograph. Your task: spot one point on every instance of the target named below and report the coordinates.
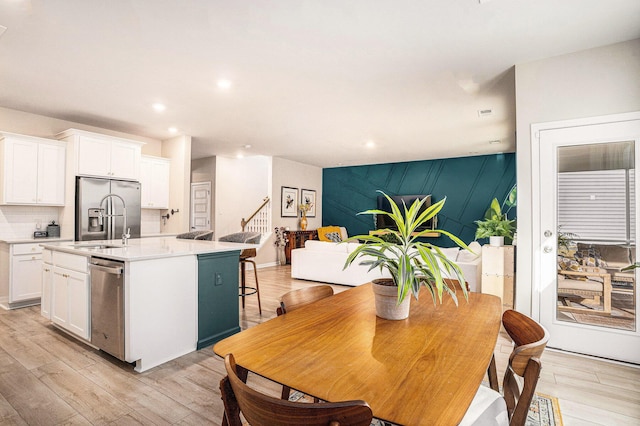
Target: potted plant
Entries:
(411, 262)
(495, 226)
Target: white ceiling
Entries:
(313, 81)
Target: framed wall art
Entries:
(289, 202)
(308, 196)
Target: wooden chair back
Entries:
(530, 339)
(298, 298)
(260, 409)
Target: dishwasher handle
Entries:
(117, 270)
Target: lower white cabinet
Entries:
(70, 294)
(26, 282)
(20, 274)
(47, 284)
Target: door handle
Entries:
(548, 233)
(547, 249)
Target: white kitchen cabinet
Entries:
(70, 294)
(155, 179)
(104, 156)
(20, 274)
(26, 282)
(33, 170)
(47, 284)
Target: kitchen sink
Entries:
(95, 246)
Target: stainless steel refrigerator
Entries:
(90, 192)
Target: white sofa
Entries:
(323, 261)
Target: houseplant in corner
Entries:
(495, 226)
(411, 263)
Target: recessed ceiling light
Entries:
(494, 142)
(247, 146)
(172, 129)
(370, 144)
(224, 84)
(159, 107)
(239, 156)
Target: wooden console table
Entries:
(296, 239)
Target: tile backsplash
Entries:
(21, 221)
(150, 222)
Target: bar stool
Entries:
(246, 256)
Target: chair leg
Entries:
(492, 372)
(243, 280)
(286, 392)
(255, 273)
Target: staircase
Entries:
(259, 221)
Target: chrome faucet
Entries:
(126, 232)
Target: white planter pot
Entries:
(496, 241)
(386, 298)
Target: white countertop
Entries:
(144, 248)
(23, 240)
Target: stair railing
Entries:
(260, 220)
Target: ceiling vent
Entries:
(485, 112)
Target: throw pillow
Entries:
(334, 237)
(323, 231)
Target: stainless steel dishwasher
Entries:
(107, 306)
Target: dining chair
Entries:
(246, 256)
(295, 299)
(489, 406)
(262, 410)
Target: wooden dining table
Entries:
(422, 370)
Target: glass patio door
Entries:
(587, 231)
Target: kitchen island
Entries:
(177, 295)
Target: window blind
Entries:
(598, 205)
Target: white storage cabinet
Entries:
(155, 178)
(20, 278)
(33, 170)
(104, 156)
(70, 294)
(47, 283)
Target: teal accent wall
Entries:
(469, 183)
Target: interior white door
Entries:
(200, 219)
(590, 148)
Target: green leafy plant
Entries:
(411, 262)
(495, 223)
(566, 240)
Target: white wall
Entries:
(593, 82)
(178, 149)
(240, 187)
(294, 175)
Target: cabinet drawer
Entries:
(29, 248)
(71, 261)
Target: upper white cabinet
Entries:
(104, 156)
(33, 170)
(155, 178)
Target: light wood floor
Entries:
(48, 378)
